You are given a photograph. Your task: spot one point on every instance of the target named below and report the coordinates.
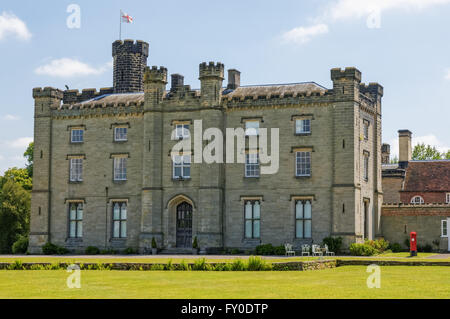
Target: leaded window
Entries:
(302, 126)
(252, 219)
(181, 166)
(119, 220)
(76, 220)
(76, 169)
(303, 163)
(120, 168)
(120, 134)
(252, 165)
(303, 219)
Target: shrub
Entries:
(169, 265)
(154, 245)
(200, 264)
(184, 266)
(20, 246)
(157, 267)
(279, 251)
(427, 248)
(52, 249)
(91, 250)
(334, 244)
(362, 250)
(130, 251)
(195, 243)
(238, 265)
(108, 251)
(235, 251)
(379, 245)
(17, 265)
(257, 264)
(222, 267)
(264, 250)
(395, 247)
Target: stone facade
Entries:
(345, 135)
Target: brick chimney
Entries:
(234, 79)
(385, 154)
(405, 148)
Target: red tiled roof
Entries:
(427, 176)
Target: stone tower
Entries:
(130, 60)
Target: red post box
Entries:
(413, 243)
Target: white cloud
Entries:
(350, 9)
(67, 67)
(304, 34)
(10, 25)
(21, 142)
(10, 117)
(429, 139)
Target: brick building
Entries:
(106, 174)
(416, 197)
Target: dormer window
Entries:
(417, 200)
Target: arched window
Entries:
(417, 200)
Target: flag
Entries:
(125, 17)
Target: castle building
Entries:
(106, 173)
(416, 197)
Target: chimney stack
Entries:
(385, 154)
(234, 79)
(405, 148)
(177, 81)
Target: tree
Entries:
(446, 155)
(18, 175)
(424, 152)
(29, 155)
(14, 214)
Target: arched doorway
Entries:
(184, 225)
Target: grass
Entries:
(190, 259)
(342, 282)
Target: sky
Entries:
(401, 44)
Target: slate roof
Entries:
(427, 176)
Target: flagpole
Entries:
(120, 25)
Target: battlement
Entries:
(47, 92)
(212, 70)
(75, 96)
(373, 89)
(346, 74)
(129, 46)
(155, 74)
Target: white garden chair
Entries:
(328, 252)
(289, 250)
(305, 250)
(316, 250)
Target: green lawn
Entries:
(342, 282)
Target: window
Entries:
(76, 135)
(119, 220)
(366, 130)
(302, 126)
(181, 166)
(417, 200)
(252, 219)
(120, 134)
(76, 169)
(252, 165)
(182, 131)
(303, 219)
(252, 128)
(447, 198)
(444, 228)
(366, 167)
(120, 168)
(303, 163)
(76, 220)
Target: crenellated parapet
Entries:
(48, 92)
(75, 96)
(130, 46)
(212, 70)
(155, 75)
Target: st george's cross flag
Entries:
(125, 17)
